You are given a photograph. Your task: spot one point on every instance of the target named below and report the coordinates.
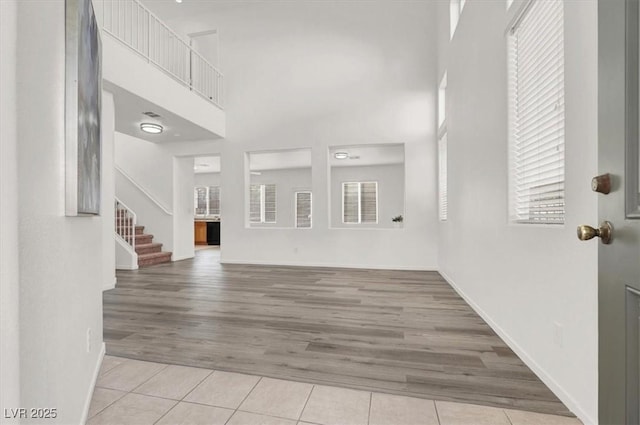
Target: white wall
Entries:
(151, 196)
(523, 279)
(183, 184)
(148, 164)
(358, 74)
(9, 189)
(206, 179)
(390, 180)
(60, 257)
(287, 181)
(162, 196)
(107, 127)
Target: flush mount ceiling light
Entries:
(341, 155)
(178, 1)
(148, 127)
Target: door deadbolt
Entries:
(601, 184)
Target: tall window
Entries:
(207, 200)
(536, 115)
(303, 210)
(442, 149)
(262, 203)
(442, 177)
(359, 202)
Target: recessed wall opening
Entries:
(367, 188)
(279, 189)
(207, 201)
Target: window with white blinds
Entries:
(200, 200)
(262, 203)
(442, 177)
(359, 202)
(214, 200)
(536, 97)
(207, 200)
(303, 210)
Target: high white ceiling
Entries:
(129, 110)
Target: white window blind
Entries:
(536, 97)
(262, 203)
(442, 177)
(200, 200)
(214, 200)
(303, 210)
(269, 203)
(207, 200)
(359, 202)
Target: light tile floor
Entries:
(133, 392)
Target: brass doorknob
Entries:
(604, 232)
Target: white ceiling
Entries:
(206, 164)
(362, 155)
(129, 110)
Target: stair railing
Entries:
(133, 24)
(142, 190)
(125, 223)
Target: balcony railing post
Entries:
(163, 47)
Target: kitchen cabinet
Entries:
(200, 232)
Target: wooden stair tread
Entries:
(148, 245)
(155, 255)
(149, 253)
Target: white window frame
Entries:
(443, 178)
(522, 208)
(360, 183)
(208, 194)
(263, 204)
(443, 210)
(295, 208)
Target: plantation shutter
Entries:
(350, 205)
(369, 202)
(214, 200)
(303, 210)
(269, 203)
(442, 177)
(536, 95)
(200, 200)
(255, 203)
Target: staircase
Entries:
(149, 253)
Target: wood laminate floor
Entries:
(398, 332)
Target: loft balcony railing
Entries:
(131, 23)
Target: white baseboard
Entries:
(126, 267)
(331, 265)
(108, 286)
(94, 379)
(553, 385)
(183, 257)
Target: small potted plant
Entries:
(398, 220)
